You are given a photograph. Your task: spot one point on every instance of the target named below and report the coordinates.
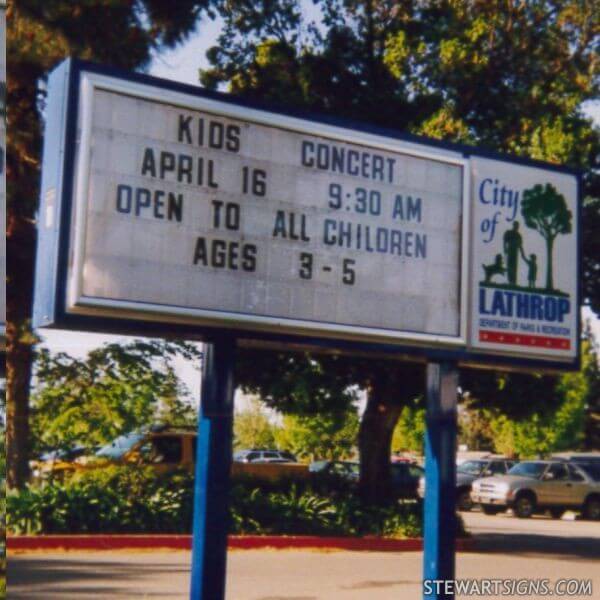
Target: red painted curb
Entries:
(244, 542)
(97, 542)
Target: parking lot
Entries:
(504, 533)
(505, 548)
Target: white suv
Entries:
(263, 456)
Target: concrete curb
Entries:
(242, 542)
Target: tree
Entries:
(461, 71)
(330, 435)
(591, 248)
(517, 395)
(474, 430)
(253, 429)
(590, 373)
(113, 390)
(545, 210)
(409, 433)
(305, 385)
(554, 421)
(40, 35)
(540, 434)
(326, 436)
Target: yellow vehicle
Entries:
(164, 448)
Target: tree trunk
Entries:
(394, 386)
(549, 265)
(19, 346)
(22, 179)
(374, 442)
(18, 372)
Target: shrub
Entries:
(133, 500)
(111, 500)
(280, 512)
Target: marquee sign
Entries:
(164, 203)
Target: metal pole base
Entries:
(213, 466)
(440, 480)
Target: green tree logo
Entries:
(545, 210)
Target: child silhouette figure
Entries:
(531, 263)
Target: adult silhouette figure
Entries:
(513, 246)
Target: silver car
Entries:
(467, 472)
(536, 486)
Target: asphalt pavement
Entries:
(505, 534)
(506, 548)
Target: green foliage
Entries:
(113, 390)
(326, 435)
(128, 500)
(111, 500)
(591, 248)
(591, 372)
(321, 391)
(534, 436)
(524, 439)
(474, 429)
(296, 382)
(285, 512)
(253, 429)
(409, 433)
(517, 395)
(461, 71)
(559, 424)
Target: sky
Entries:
(182, 64)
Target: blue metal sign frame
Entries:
(57, 174)
(439, 515)
(213, 465)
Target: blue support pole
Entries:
(213, 465)
(440, 480)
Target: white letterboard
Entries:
(190, 211)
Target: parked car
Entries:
(467, 472)
(405, 479)
(405, 457)
(263, 456)
(162, 447)
(578, 457)
(405, 475)
(166, 448)
(592, 469)
(536, 486)
(66, 454)
(334, 472)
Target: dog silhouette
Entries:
(496, 268)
